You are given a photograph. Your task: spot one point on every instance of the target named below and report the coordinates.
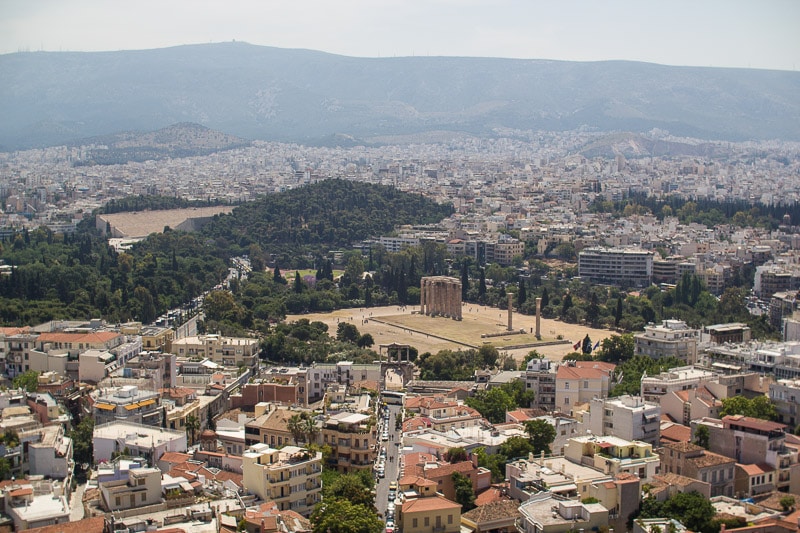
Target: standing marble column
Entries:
(510, 296)
(538, 318)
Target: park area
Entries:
(479, 325)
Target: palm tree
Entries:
(295, 426)
(192, 424)
(310, 429)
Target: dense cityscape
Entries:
(597, 338)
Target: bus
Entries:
(391, 397)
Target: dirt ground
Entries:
(404, 325)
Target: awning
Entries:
(132, 406)
(569, 487)
(105, 406)
(145, 403)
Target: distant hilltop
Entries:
(256, 92)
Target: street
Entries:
(392, 460)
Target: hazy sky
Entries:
(721, 33)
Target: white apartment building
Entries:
(290, 476)
(141, 441)
(785, 395)
(671, 338)
(540, 377)
(617, 266)
(128, 403)
(226, 351)
(627, 417)
(681, 378)
(612, 455)
(49, 452)
(142, 488)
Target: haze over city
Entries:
(714, 33)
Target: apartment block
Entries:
(546, 513)
(432, 514)
(581, 381)
(352, 440)
(616, 266)
(613, 455)
(142, 488)
(270, 426)
(128, 404)
(147, 442)
(671, 338)
(681, 378)
(785, 395)
(753, 441)
(290, 476)
(692, 461)
(226, 351)
(626, 417)
(540, 377)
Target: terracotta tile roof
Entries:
(675, 433)
(571, 372)
(413, 402)
(449, 469)
(710, 459)
(772, 501)
(14, 331)
(98, 337)
(416, 423)
(752, 423)
(87, 525)
(295, 521)
(682, 394)
(517, 415)
(675, 479)
(416, 480)
(177, 392)
(601, 365)
(683, 446)
(431, 503)
(626, 477)
(493, 511)
(755, 469)
(415, 458)
(277, 420)
(175, 457)
(492, 494)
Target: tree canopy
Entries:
(758, 407)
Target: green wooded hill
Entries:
(79, 276)
(329, 214)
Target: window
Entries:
(566, 401)
(449, 519)
(414, 523)
(118, 502)
(143, 496)
(566, 385)
(427, 521)
(585, 384)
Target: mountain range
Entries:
(257, 92)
